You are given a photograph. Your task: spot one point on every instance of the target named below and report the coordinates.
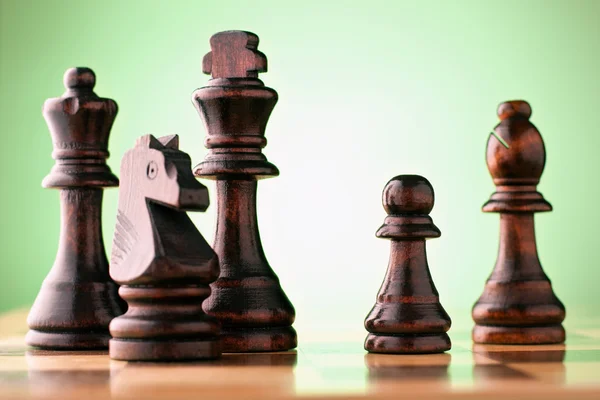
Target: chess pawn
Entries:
(408, 317)
(235, 106)
(159, 258)
(78, 299)
(518, 305)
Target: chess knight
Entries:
(163, 263)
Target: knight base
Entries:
(164, 324)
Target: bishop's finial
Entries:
(234, 55)
(514, 107)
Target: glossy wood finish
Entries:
(161, 260)
(235, 106)
(78, 299)
(327, 365)
(518, 305)
(408, 317)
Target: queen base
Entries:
(85, 340)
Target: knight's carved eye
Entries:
(152, 170)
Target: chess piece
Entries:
(161, 260)
(78, 299)
(235, 106)
(408, 317)
(518, 305)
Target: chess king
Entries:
(161, 260)
(518, 305)
(235, 105)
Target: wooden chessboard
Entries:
(317, 369)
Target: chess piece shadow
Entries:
(234, 375)
(408, 367)
(279, 359)
(55, 374)
(513, 354)
(511, 362)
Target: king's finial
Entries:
(234, 54)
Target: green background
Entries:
(368, 90)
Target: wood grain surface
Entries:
(325, 366)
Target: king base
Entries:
(407, 344)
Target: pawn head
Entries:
(408, 194)
(79, 78)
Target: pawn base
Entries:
(245, 340)
(169, 350)
(67, 340)
(408, 344)
(549, 334)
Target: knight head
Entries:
(158, 171)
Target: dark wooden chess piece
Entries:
(78, 299)
(161, 260)
(408, 317)
(235, 106)
(518, 305)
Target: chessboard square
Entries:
(410, 373)
(582, 356)
(569, 374)
(582, 340)
(588, 333)
(472, 376)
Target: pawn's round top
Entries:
(79, 77)
(408, 194)
(514, 107)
